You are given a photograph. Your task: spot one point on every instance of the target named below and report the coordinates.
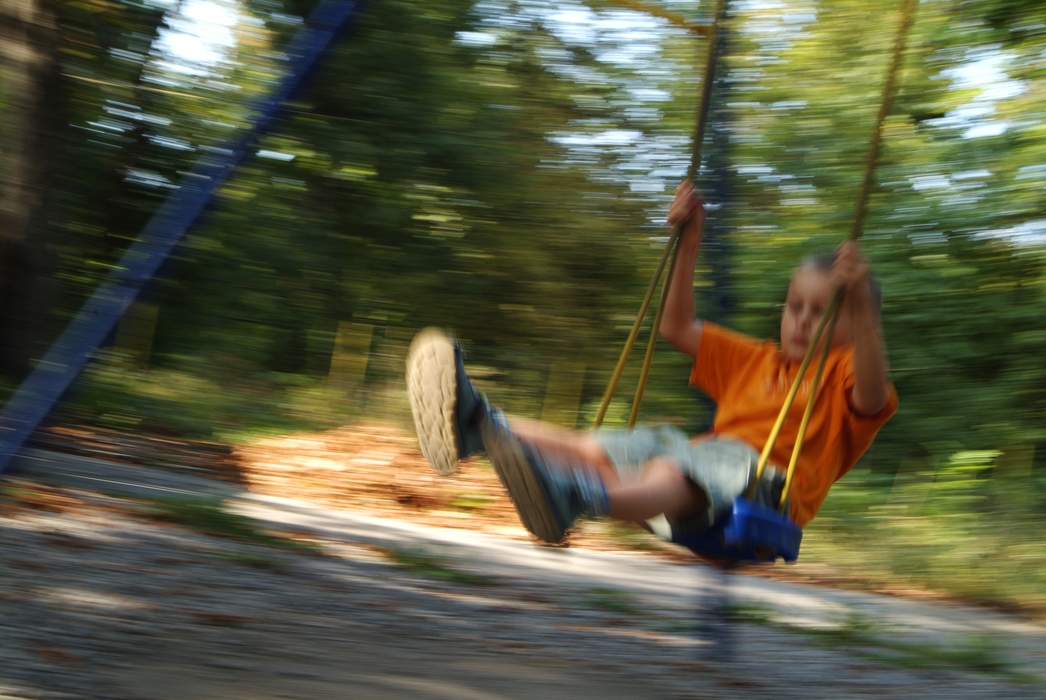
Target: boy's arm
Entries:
(871, 372)
(679, 325)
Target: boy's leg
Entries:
(574, 445)
(552, 475)
(448, 411)
(551, 488)
(453, 420)
(660, 489)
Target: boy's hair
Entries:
(824, 261)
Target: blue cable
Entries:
(52, 375)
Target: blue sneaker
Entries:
(447, 409)
(548, 496)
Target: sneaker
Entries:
(548, 497)
(447, 408)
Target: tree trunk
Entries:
(30, 131)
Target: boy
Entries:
(657, 476)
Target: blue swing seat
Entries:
(750, 532)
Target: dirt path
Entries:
(100, 598)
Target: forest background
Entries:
(503, 168)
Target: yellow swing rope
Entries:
(715, 39)
(831, 314)
(830, 317)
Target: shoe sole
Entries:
(432, 387)
(523, 486)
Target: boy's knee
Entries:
(689, 498)
(666, 468)
(593, 453)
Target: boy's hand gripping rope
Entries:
(715, 36)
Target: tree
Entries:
(30, 122)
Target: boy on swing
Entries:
(657, 476)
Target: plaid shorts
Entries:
(721, 466)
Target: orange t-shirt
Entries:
(749, 380)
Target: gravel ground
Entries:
(100, 597)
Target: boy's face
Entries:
(808, 296)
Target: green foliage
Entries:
(253, 559)
(952, 526)
(472, 501)
(429, 566)
(209, 515)
(860, 636)
(611, 600)
(194, 401)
